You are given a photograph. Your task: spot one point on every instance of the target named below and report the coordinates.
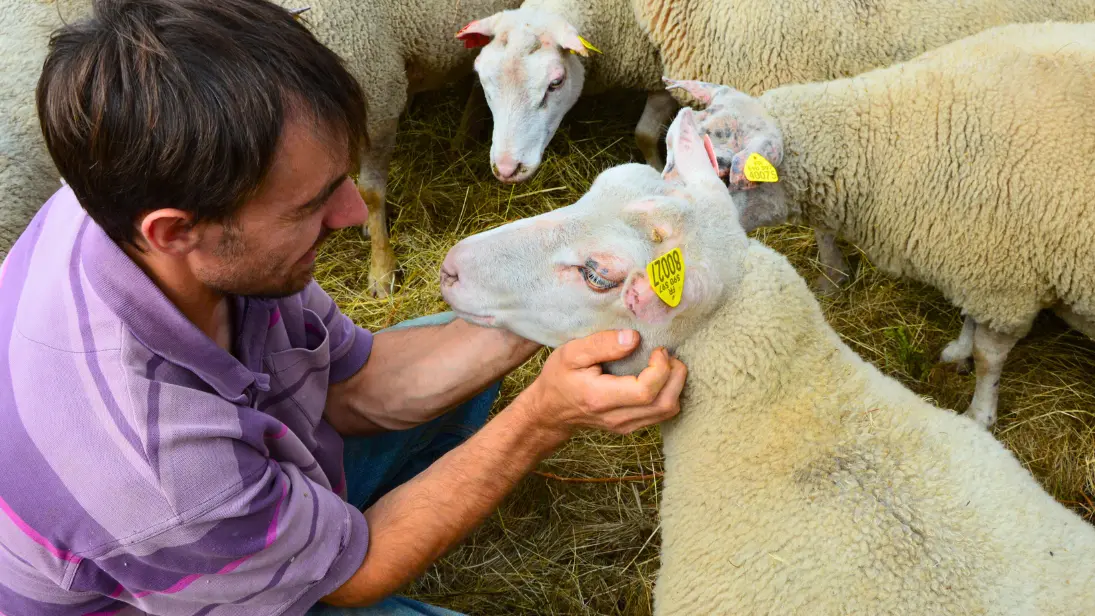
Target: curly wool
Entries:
(755, 46)
(799, 479)
(27, 174)
(967, 169)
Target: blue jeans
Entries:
(376, 464)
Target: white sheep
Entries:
(967, 168)
(532, 80)
(27, 174)
(535, 64)
(799, 479)
(394, 48)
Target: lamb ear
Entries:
(693, 156)
(700, 90)
(477, 33)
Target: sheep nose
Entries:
(507, 168)
(449, 274)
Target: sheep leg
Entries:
(1075, 320)
(990, 350)
(372, 184)
(834, 267)
(960, 350)
(658, 112)
(473, 120)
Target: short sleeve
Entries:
(350, 343)
(277, 546)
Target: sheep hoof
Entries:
(365, 231)
(381, 283)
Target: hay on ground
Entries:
(576, 548)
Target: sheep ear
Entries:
(647, 306)
(700, 90)
(693, 155)
(477, 33)
(567, 37)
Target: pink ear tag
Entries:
(666, 276)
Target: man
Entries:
(177, 390)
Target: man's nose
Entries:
(348, 209)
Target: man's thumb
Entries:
(598, 348)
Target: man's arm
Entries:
(415, 374)
(418, 522)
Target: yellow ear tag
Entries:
(666, 275)
(758, 169)
(587, 45)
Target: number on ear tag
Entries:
(666, 275)
(758, 169)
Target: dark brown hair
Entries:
(181, 103)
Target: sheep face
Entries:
(531, 78)
(583, 268)
(738, 126)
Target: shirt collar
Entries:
(154, 320)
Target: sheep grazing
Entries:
(27, 174)
(534, 66)
(798, 477)
(967, 169)
(395, 48)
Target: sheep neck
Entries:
(765, 370)
(826, 167)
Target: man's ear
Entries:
(478, 33)
(169, 231)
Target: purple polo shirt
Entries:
(144, 468)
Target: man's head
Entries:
(531, 77)
(582, 268)
(216, 136)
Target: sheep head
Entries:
(748, 146)
(583, 268)
(531, 74)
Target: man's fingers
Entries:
(620, 391)
(598, 348)
(674, 385)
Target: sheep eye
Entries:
(595, 281)
(555, 84)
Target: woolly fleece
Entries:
(758, 45)
(801, 480)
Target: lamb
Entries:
(395, 48)
(27, 174)
(799, 479)
(946, 169)
(532, 80)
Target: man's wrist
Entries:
(526, 410)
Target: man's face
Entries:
(269, 249)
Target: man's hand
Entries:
(572, 392)
(418, 522)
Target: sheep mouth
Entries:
(476, 319)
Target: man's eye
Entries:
(595, 281)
